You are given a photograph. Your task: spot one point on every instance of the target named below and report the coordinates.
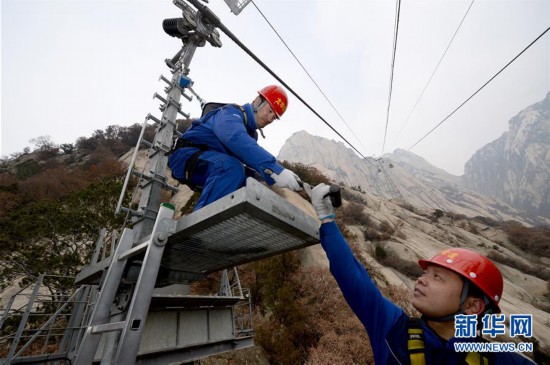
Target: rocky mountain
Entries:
(421, 168)
(398, 176)
(515, 168)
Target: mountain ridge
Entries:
(515, 168)
(395, 177)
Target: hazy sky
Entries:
(71, 67)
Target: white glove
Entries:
(320, 200)
(287, 179)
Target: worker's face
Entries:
(437, 292)
(265, 115)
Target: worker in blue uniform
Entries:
(455, 282)
(220, 149)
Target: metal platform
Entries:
(248, 225)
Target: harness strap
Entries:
(245, 119)
(417, 347)
(192, 161)
(188, 171)
(415, 342)
(474, 358)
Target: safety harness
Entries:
(190, 164)
(417, 347)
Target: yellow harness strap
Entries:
(416, 347)
(415, 342)
(474, 358)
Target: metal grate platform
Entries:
(250, 224)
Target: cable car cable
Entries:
(396, 31)
(434, 71)
(308, 74)
(478, 90)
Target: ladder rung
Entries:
(109, 327)
(188, 97)
(161, 179)
(153, 118)
(138, 174)
(182, 112)
(146, 143)
(134, 251)
(165, 80)
(132, 212)
(172, 188)
(156, 95)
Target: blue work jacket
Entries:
(385, 322)
(223, 130)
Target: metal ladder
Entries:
(132, 326)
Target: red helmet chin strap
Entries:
(256, 108)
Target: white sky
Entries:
(71, 67)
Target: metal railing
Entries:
(41, 321)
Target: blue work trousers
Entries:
(219, 175)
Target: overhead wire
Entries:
(308, 74)
(478, 90)
(396, 31)
(434, 71)
(217, 23)
(214, 20)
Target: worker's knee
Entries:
(227, 171)
(234, 169)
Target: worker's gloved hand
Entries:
(320, 200)
(287, 179)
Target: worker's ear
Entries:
(474, 305)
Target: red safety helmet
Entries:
(276, 97)
(473, 266)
